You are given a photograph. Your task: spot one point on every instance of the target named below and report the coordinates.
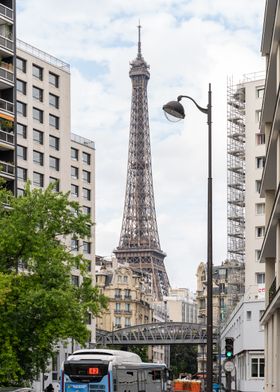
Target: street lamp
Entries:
(176, 109)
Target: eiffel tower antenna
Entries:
(139, 240)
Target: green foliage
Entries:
(183, 359)
(39, 306)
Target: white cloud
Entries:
(188, 44)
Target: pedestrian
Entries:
(49, 388)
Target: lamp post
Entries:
(176, 109)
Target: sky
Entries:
(188, 44)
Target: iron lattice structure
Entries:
(139, 240)
(156, 333)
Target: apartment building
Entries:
(270, 251)
(7, 93)
(246, 151)
(128, 292)
(48, 152)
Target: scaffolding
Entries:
(235, 172)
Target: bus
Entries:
(102, 370)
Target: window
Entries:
(125, 279)
(260, 138)
(37, 72)
(257, 367)
(54, 121)
(22, 152)
(38, 157)
(260, 277)
(21, 64)
(54, 100)
(118, 322)
(21, 130)
(258, 186)
(260, 162)
(74, 172)
(55, 181)
(38, 179)
(86, 158)
(87, 247)
(21, 108)
(38, 115)
(127, 293)
(75, 280)
(258, 115)
(53, 79)
(86, 194)
(74, 245)
(74, 190)
(54, 142)
(54, 163)
(86, 210)
(21, 174)
(249, 315)
(37, 93)
(74, 153)
(258, 254)
(260, 231)
(260, 91)
(117, 293)
(21, 86)
(86, 176)
(118, 306)
(89, 319)
(260, 208)
(127, 322)
(127, 307)
(20, 192)
(38, 136)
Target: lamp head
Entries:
(174, 111)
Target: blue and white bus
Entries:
(101, 370)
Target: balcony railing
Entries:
(6, 106)
(118, 296)
(127, 297)
(7, 168)
(7, 12)
(272, 290)
(6, 71)
(7, 137)
(117, 311)
(6, 43)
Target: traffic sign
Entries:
(228, 366)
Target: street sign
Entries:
(228, 366)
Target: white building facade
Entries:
(244, 322)
(48, 152)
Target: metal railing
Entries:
(7, 168)
(6, 105)
(6, 73)
(272, 290)
(7, 137)
(43, 55)
(82, 140)
(7, 12)
(6, 43)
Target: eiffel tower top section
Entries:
(139, 67)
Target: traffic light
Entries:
(229, 348)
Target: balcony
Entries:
(6, 137)
(117, 311)
(7, 169)
(6, 43)
(7, 12)
(117, 326)
(6, 106)
(127, 311)
(118, 296)
(7, 72)
(128, 297)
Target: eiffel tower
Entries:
(139, 240)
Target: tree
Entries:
(39, 305)
(183, 359)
